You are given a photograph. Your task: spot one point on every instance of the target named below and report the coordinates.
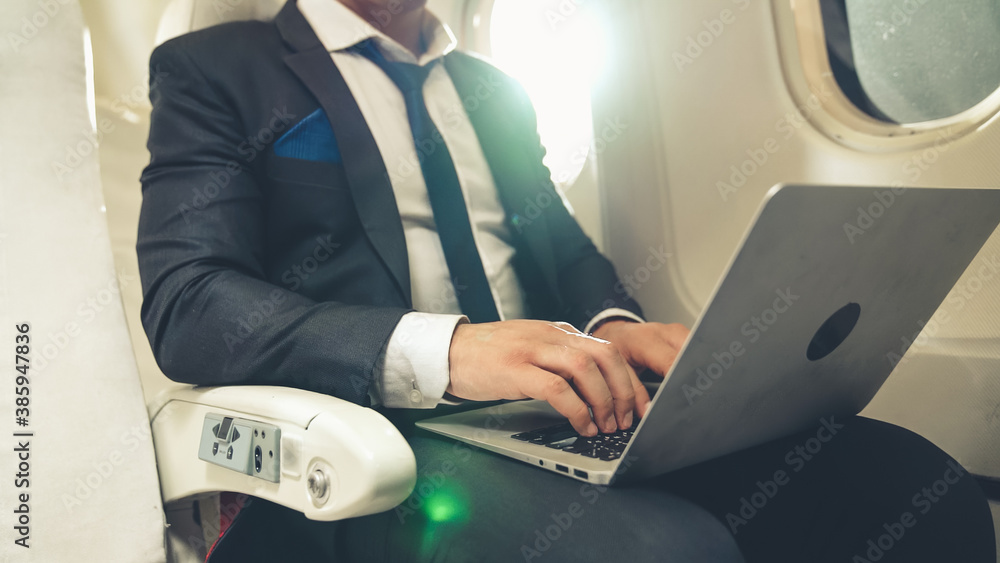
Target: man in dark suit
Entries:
(329, 203)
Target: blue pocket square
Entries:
(310, 139)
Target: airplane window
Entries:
(913, 60)
(556, 54)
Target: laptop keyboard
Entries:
(562, 436)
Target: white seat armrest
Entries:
(369, 465)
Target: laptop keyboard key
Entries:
(562, 444)
(607, 447)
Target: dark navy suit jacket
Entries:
(269, 260)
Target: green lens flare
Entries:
(445, 511)
(445, 507)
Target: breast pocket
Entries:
(295, 171)
(306, 199)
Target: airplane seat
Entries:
(183, 16)
(101, 457)
(337, 459)
(333, 460)
(83, 482)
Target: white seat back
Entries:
(91, 486)
(183, 16)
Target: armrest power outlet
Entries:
(245, 446)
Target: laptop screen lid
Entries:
(819, 303)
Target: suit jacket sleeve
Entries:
(210, 315)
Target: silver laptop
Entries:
(829, 287)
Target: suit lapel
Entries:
(506, 156)
(363, 164)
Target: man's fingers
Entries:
(641, 395)
(540, 384)
(582, 370)
(656, 349)
(615, 371)
(659, 359)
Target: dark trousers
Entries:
(852, 491)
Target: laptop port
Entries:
(562, 468)
(580, 474)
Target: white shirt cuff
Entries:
(416, 373)
(610, 314)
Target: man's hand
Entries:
(556, 363)
(543, 360)
(645, 345)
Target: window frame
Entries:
(801, 43)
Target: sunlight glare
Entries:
(557, 55)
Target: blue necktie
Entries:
(447, 202)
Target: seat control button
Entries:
(319, 486)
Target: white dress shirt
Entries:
(415, 371)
